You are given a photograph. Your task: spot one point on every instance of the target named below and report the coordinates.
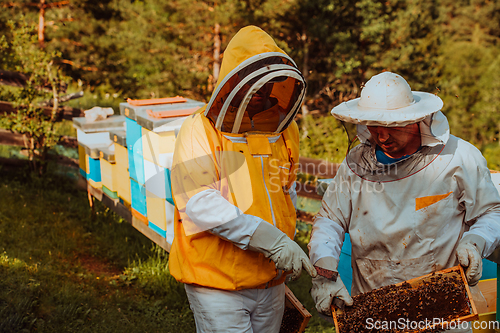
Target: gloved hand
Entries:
(284, 252)
(469, 254)
(324, 290)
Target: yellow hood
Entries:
(260, 89)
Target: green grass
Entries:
(61, 271)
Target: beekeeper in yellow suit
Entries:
(233, 181)
(413, 198)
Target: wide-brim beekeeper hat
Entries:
(387, 100)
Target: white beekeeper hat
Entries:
(387, 100)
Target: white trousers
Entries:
(244, 311)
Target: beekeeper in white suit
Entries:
(413, 198)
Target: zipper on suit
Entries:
(267, 191)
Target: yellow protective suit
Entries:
(234, 167)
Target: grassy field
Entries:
(61, 271)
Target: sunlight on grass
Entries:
(61, 271)
(16, 263)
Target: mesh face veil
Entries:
(263, 94)
(391, 109)
(362, 160)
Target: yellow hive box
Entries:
(156, 213)
(87, 166)
(487, 308)
(123, 184)
(156, 145)
(121, 173)
(81, 158)
(121, 156)
(109, 176)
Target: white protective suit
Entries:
(406, 221)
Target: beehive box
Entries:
(417, 305)
(115, 122)
(93, 165)
(109, 176)
(138, 201)
(152, 127)
(156, 112)
(121, 166)
(486, 307)
(296, 316)
(91, 136)
(82, 162)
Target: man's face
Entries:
(396, 142)
(258, 101)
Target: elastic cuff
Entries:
(475, 239)
(264, 238)
(329, 263)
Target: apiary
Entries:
(126, 160)
(153, 126)
(423, 304)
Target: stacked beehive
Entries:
(93, 137)
(152, 126)
(128, 158)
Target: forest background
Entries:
(118, 49)
(109, 277)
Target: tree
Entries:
(469, 55)
(43, 83)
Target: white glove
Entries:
(284, 252)
(469, 254)
(324, 290)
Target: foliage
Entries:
(61, 271)
(143, 49)
(492, 154)
(470, 58)
(43, 83)
(103, 95)
(323, 138)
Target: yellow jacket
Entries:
(234, 167)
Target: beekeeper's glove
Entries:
(469, 253)
(328, 285)
(277, 246)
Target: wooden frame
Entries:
(416, 281)
(293, 302)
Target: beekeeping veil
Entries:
(387, 100)
(259, 89)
